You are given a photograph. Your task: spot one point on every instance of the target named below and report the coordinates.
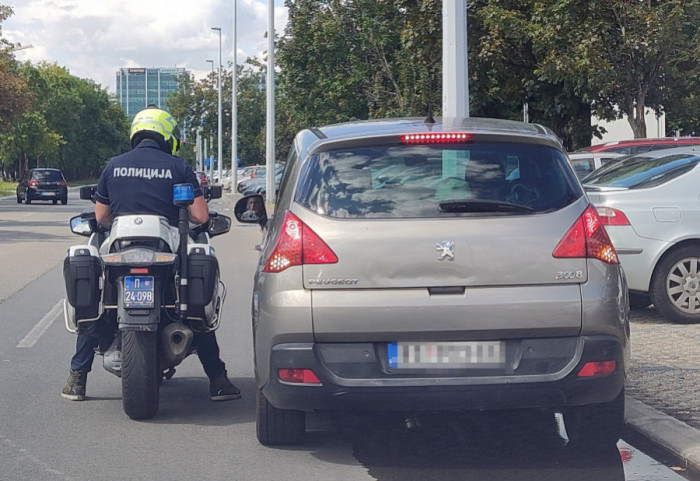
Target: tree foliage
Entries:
(50, 118)
(564, 59)
(621, 55)
(196, 105)
(72, 125)
(14, 97)
(342, 60)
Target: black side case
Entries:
(203, 273)
(82, 274)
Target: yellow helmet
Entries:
(156, 124)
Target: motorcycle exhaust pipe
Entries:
(177, 340)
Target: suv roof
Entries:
(358, 130)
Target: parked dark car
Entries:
(258, 185)
(42, 184)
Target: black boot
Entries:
(75, 387)
(221, 389)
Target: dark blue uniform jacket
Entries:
(141, 182)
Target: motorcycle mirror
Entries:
(87, 192)
(219, 224)
(212, 192)
(82, 226)
(251, 210)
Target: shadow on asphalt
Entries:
(483, 447)
(185, 400)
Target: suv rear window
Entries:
(401, 181)
(47, 176)
(642, 171)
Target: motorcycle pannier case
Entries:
(203, 273)
(82, 273)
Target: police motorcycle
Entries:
(145, 288)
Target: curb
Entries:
(673, 436)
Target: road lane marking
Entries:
(41, 326)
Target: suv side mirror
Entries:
(251, 210)
(212, 192)
(87, 192)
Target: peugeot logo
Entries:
(138, 221)
(446, 249)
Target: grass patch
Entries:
(7, 188)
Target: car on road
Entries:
(414, 266)
(586, 162)
(42, 184)
(202, 177)
(638, 146)
(649, 206)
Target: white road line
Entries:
(41, 327)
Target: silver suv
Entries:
(412, 266)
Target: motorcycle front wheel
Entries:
(140, 375)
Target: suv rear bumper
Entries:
(405, 393)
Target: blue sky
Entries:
(94, 38)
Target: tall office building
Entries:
(138, 87)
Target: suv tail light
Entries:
(587, 238)
(61, 182)
(610, 216)
(33, 183)
(298, 245)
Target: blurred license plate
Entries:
(138, 291)
(446, 355)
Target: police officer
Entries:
(141, 182)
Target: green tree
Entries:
(623, 55)
(14, 97)
(196, 105)
(72, 124)
(30, 138)
(93, 128)
(505, 55)
(344, 60)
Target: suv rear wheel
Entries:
(64, 200)
(675, 287)
(595, 426)
(19, 199)
(277, 427)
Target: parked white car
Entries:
(649, 206)
(585, 162)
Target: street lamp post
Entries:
(234, 108)
(270, 130)
(211, 164)
(219, 139)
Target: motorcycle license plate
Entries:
(138, 292)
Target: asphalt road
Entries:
(44, 437)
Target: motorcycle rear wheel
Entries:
(140, 375)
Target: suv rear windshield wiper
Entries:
(482, 206)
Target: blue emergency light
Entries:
(183, 194)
